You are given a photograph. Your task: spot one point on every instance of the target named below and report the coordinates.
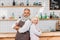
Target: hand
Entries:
(16, 27)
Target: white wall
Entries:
(44, 2)
(47, 25)
(6, 26)
(19, 11)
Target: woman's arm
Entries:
(37, 32)
(25, 27)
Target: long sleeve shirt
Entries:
(34, 32)
(25, 27)
(15, 23)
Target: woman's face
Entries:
(35, 20)
(26, 13)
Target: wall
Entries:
(47, 10)
(6, 26)
(19, 11)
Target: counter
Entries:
(50, 36)
(47, 34)
(43, 36)
(7, 36)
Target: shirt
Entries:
(34, 32)
(25, 27)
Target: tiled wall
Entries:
(19, 11)
(6, 26)
(9, 2)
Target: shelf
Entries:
(51, 19)
(8, 19)
(17, 19)
(18, 6)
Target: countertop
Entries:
(9, 35)
(51, 34)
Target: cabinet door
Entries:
(54, 38)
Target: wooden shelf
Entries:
(17, 19)
(18, 6)
(51, 19)
(8, 19)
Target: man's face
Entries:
(26, 13)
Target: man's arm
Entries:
(15, 25)
(25, 27)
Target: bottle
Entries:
(13, 16)
(13, 2)
(19, 16)
(51, 15)
(2, 4)
(41, 16)
(36, 2)
(3, 17)
(27, 2)
(45, 17)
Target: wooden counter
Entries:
(50, 36)
(47, 34)
(7, 36)
(44, 36)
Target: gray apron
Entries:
(22, 36)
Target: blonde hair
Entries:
(33, 18)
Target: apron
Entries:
(22, 36)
